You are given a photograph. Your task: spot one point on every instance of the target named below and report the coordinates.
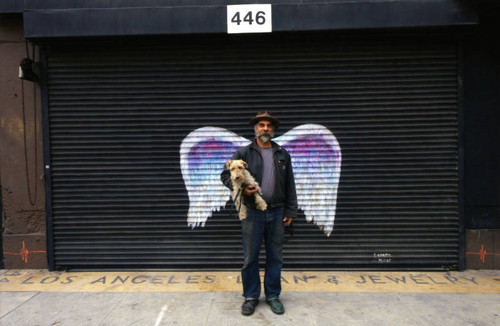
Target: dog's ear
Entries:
(245, 164)
(228, 164)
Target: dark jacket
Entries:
(284, 191)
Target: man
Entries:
(271, 166)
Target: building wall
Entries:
(23, 194)
(22, 185)
(481, 96)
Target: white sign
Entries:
(249, 19)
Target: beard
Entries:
(264, 136)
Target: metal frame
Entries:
(47, 159)
(63, 20)
(456, 252)
(461, 156)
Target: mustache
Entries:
(264, 135)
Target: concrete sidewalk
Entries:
(454, 303)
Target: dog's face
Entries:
(236, 167)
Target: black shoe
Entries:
(276, 306)
(248, 306)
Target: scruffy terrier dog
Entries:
(241, 178)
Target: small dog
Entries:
(241, 178)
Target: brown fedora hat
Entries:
(265, 115)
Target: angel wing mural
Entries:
(316, 161)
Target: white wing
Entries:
(316, 160)
(203, 153)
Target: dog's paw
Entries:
(261, 205)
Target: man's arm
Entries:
(225, 176)
(291, 205)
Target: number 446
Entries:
(260, 18)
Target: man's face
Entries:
(264, 130)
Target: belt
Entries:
(274, 205)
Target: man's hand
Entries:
(249, 190)
(287, 221)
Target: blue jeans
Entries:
(261, 226)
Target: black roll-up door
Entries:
(119, 110)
